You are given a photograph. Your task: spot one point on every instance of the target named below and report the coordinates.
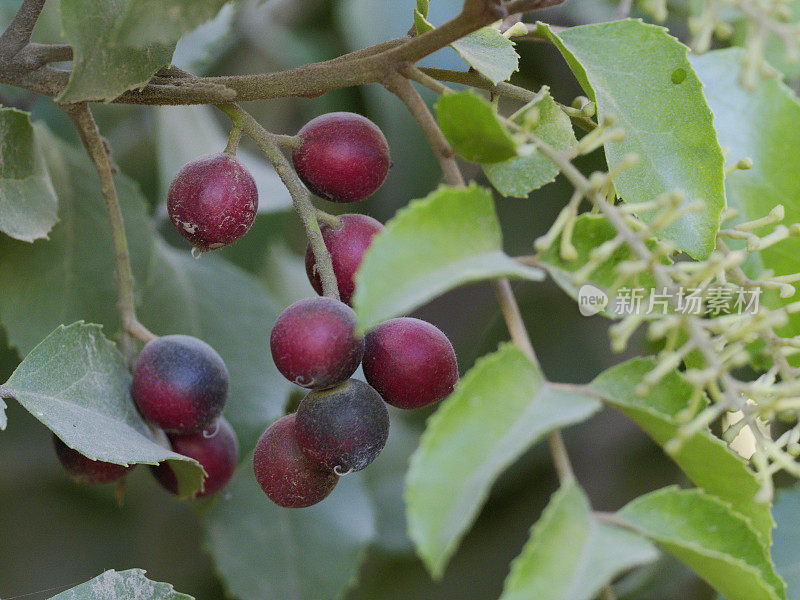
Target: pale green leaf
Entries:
(570, 554)
(702, 531)
(187, 132)
(102, 68)
(471, 124)
(490, 53)
(486, 50)
(77, 384)
(148, 22)
(450, 238)
(28, 204)
(262, 550)
(706, 460)
(519, 176)
(499, 409)
(764, 125)
(130, 584)
(641, 75)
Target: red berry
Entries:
(180, 383)
(212, 201)
(344, 157)
(285, 474)
(84, 469)
(342, 428)
(347, 245)
(217, 452)
(314, 342)
(409, 362)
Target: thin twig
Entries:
(19, 31)
(87, 128)
(301, 198)
(404, 90)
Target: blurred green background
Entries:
(54, 534)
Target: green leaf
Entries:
(702, 531)
(103, 69)
(570, 554)
(450, 238)
(706, 459)
(220, 304)
(72, 278)
(264, 551)
(113, 585)
(490, 53)
(186, 132)
(763, 124)
(519, 176)
(153, 22)
(786, 548)
(77, 384)
(628, 67)
(471, 124)
(28, 204)
(486, 50)
(71, 275)
(499, 409)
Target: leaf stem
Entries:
(404, 90)
(96, 147)
(301, 199)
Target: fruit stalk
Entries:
(404, 89)
(300, 197)
(96, 147)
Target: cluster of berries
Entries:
(180, 383)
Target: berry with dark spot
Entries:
(285, 474)
(212, 201)
(217, 451)
(342, 428)
(84, 469)
(343, 157)
(314, 342)
(410, 362)
(346, 245)
(180, 383)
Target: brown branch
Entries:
(87, 128)
(19, 31)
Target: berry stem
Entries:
(233, 140)
(301, 198)
(96, 147)
(404, 89)
(328, 219)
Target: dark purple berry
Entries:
(409, 362)
(314, 342)
(285, 474)
(180, 383)
(217, 451)
(212, 201)
(344, 157)
(342, 428)
(84, 469)
(346, 245)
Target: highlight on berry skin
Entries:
(343, 157)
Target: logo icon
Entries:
(591, 300)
